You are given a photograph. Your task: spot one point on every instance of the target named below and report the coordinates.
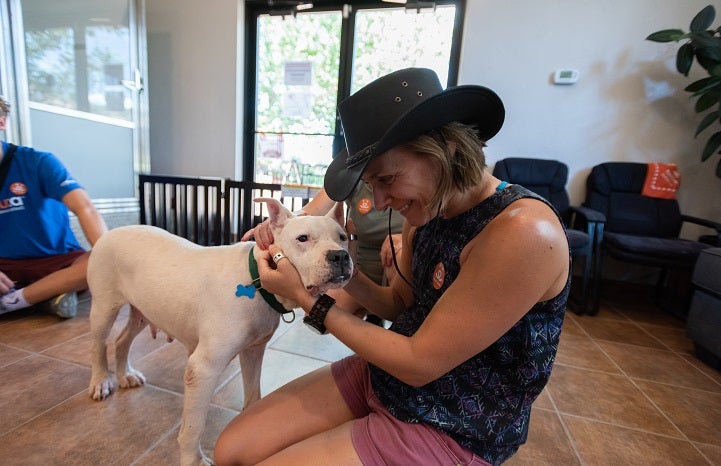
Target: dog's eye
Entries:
(302, 238)
(343, 237)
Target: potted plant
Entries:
(704, 44)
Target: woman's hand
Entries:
(386, 253)
(261, 234)
(281, 278)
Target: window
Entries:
(301, 63)
(83, 64)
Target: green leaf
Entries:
(707, 45)
(712, 145)
(703, 19)
(706, 101)
(702, 84)
(684, 58)
(667, 35)
(707, 121)
(712, 66)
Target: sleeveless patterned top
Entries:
(484, 404)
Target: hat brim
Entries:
(339, 180)
(472, 105)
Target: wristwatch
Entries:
(316, 317)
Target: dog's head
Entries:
(316, 245)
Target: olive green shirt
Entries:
(371, 226)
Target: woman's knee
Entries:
(228, 448)
(241, 442)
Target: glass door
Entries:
(77, 75)
(305, 61)
(296, 86)
(8, 76)
(389, 39)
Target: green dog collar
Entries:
(269, 297)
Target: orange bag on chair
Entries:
(662, 180)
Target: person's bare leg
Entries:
(333, 446)
(305, 407)
(72, 278)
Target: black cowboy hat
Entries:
(397, 108)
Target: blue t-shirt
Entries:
(33, 220)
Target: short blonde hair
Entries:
(4, 107)
(460, 169)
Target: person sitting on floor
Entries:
(41, 261)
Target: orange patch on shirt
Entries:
(364, 205)
(439, 276)
(18, 189)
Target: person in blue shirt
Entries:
(41, 260)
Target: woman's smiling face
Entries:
(404, 181)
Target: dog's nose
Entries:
(339, 261)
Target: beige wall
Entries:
(628, 104)
(193, 85)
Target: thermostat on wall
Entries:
(565, 76)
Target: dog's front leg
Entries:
(251, 360)
(201, 378)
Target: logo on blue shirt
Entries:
(12, 204)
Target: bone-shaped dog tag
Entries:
(245, 290)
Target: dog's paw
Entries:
(131, 379)
(102, 389)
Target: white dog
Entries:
(206, 298)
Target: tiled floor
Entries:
(626, 390)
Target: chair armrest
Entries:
(590, 220)
(703, 222)
(590, 215)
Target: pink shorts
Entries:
(380, 439)
(26, 271)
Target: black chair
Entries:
(548, 178)
(641, 229)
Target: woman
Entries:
(476, 311)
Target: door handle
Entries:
(136, 84)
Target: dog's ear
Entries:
(278, 213)
(337, 213)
